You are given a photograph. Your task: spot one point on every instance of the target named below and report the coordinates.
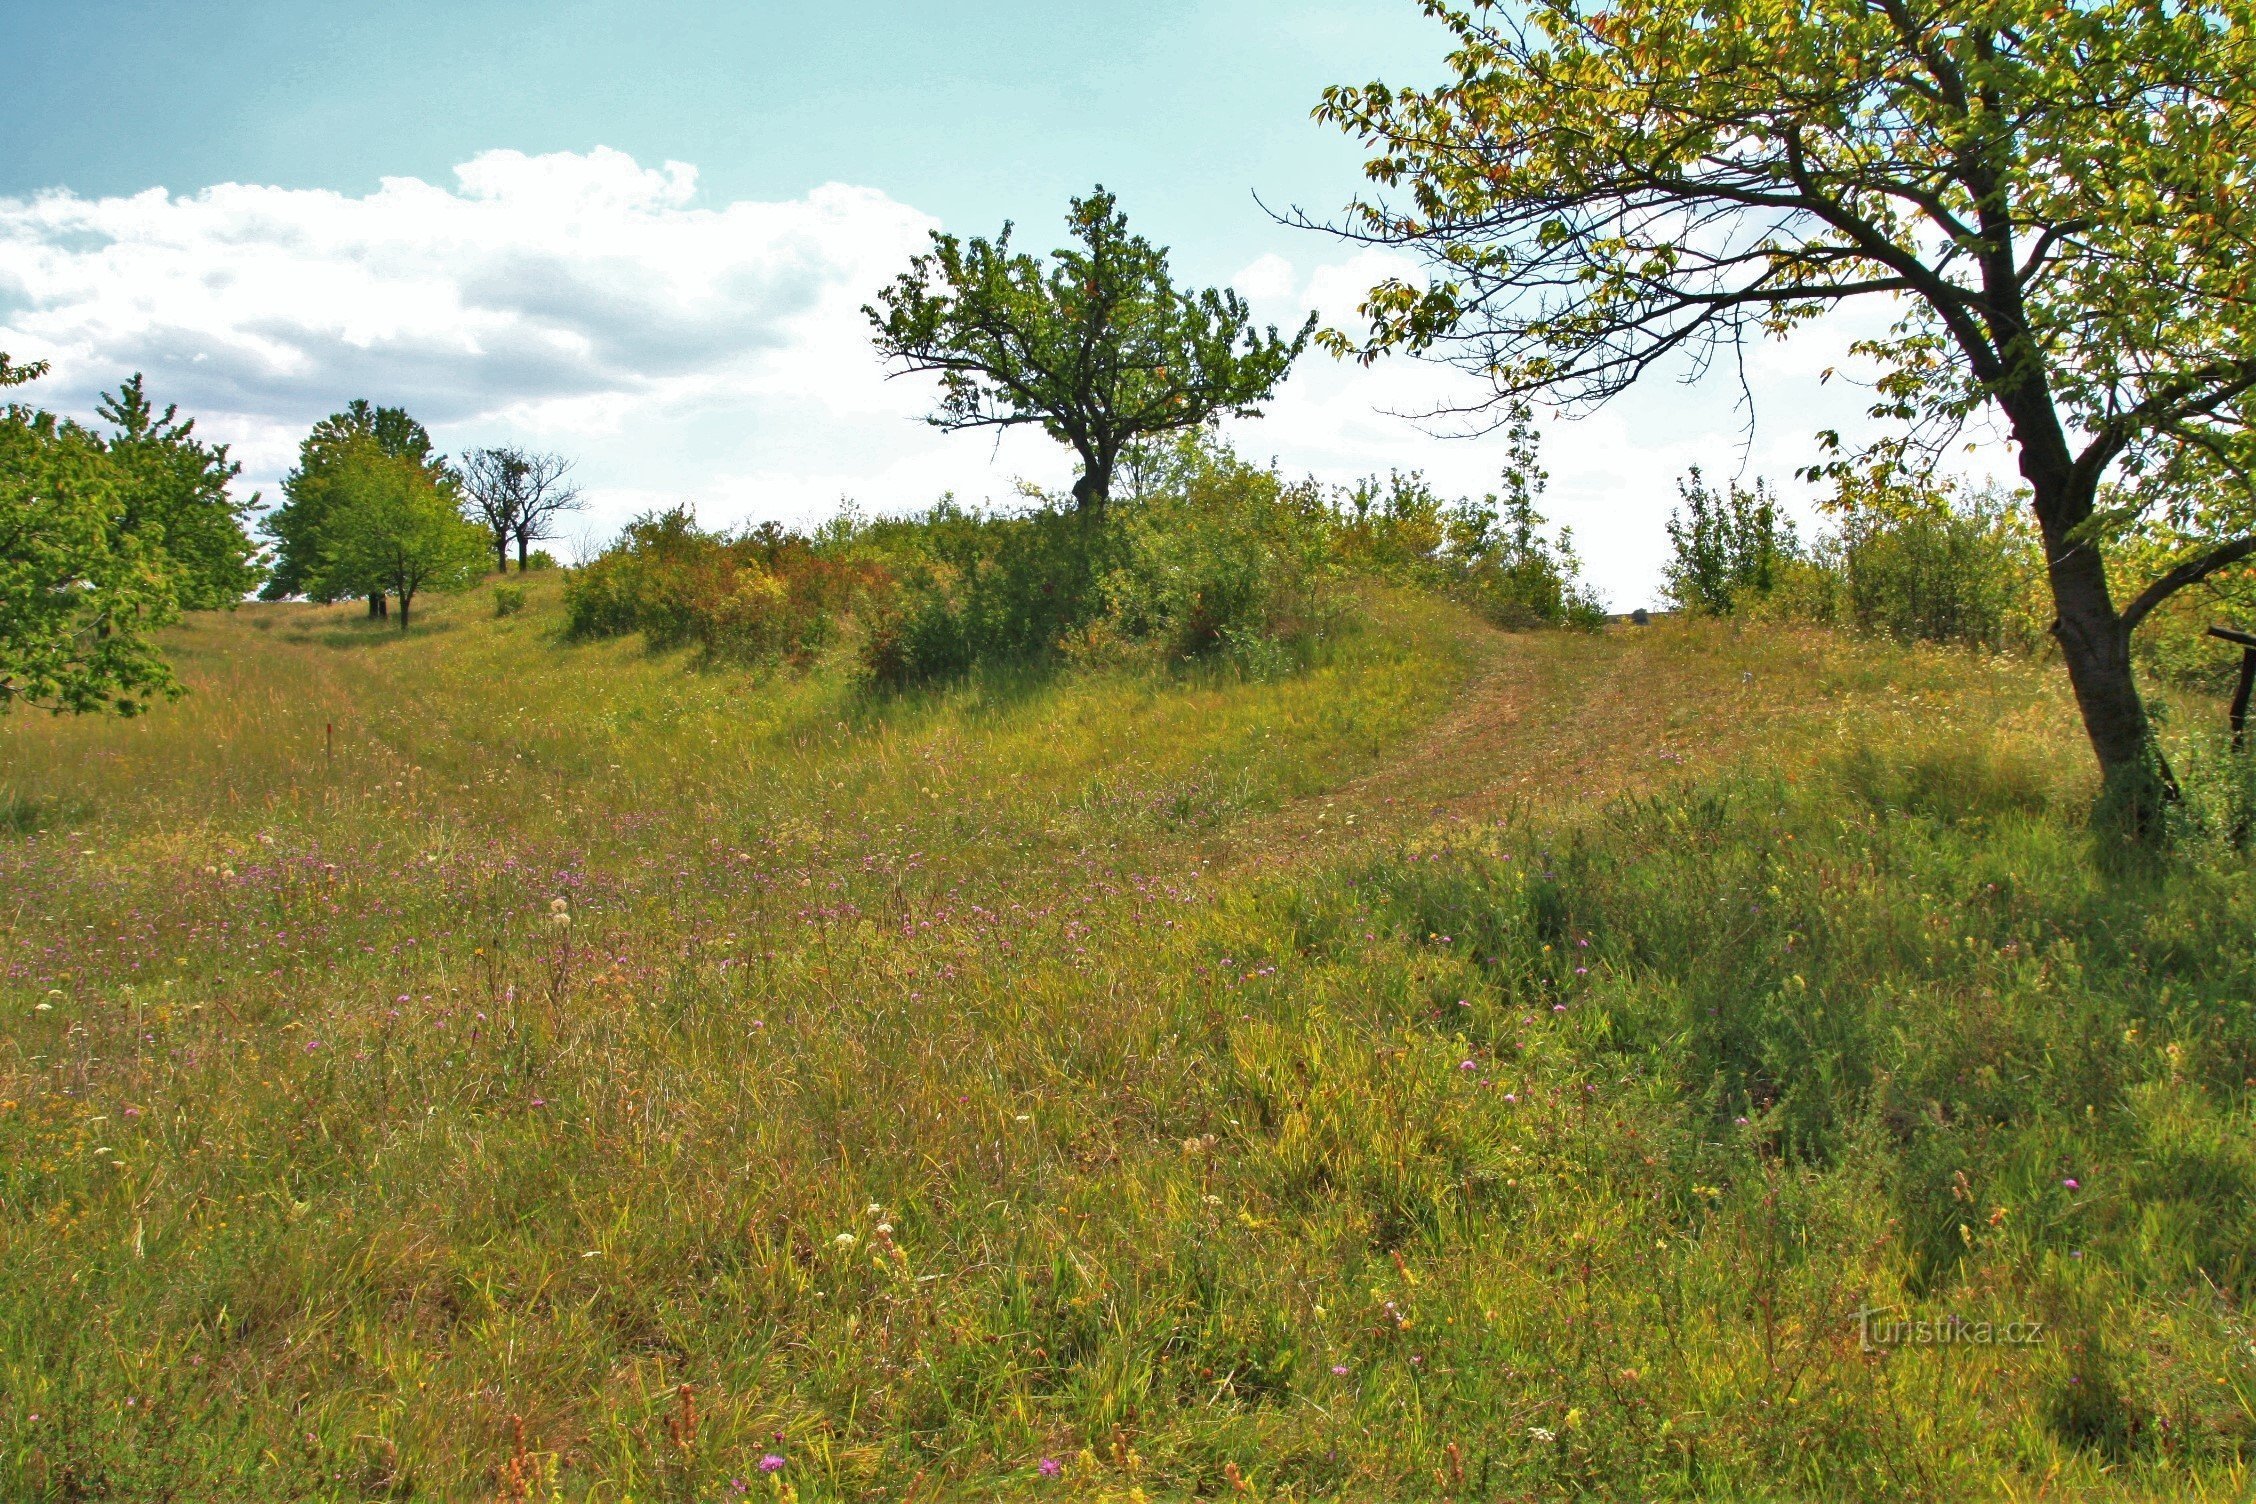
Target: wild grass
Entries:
(1476, 1066)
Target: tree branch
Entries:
(2192, 572)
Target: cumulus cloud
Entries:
(716, 353)
(538, 296)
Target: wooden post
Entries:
(2237, 716)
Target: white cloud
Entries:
(717, 354)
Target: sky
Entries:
(641, 236)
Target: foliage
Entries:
(764, 594)
(176, 486)
(1219, 555)
(389, 527)
(85, 575)
(1727, 548)
(1099, 348)
(972, 588)
(1210, 1077)
(299, 526)
(1955, 566)
(508, 600)
(2055, 198)
(1492, 554)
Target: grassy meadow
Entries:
(469, 1065)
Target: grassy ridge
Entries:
(1330, 1086)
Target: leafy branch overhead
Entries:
(1099, 347)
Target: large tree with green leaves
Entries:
(1099, 348)
(393, 528)
(83, 582)
(2055, 197)
(299, 526)
(175, 483)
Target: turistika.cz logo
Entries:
(1879, 1330)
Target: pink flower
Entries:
(2072, 1183)
(771, 1463)
(1050, 1467)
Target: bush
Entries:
(1219, 555)
(1961, 568)
(751, 597)
(1728, 548)
(1491, 554)
(1202, 555)
(508, 600)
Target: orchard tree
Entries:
(519, 494)
(175, 483)
(82, 585)
(299, 526)
(493, 486)
(391, 528)
(2056, 199)
(1099, 348)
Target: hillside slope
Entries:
(471, 1064)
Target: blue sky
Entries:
(639, 233)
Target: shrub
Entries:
(973, 588)
(508, 600)
(1492, 554)
(1728, 548)
(1916, 563)
(750, 597)
(1218, 554)
(1960, 567)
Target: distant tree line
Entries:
(109, 533)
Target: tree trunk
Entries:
(404, 599)
(2135, 784)
(501, 554)
(523, 543)
(376, 605)
(1094, 487)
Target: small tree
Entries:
(81, 586)
(1099, 348)
(392, 528)
(299, 526)
(175, 483)
(549, 495)
(1726, 546)
(493, 483)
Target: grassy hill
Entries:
(471, 1066)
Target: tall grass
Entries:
(601, 1076)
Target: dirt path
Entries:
(1549, 721)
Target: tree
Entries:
(392, 528)
(2054, 195)
(298, 526)
(1726, 547)
(518, 494)
(175, 483)
(493, 482)
(549, 496)
(1099, 349)
(82, 585)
